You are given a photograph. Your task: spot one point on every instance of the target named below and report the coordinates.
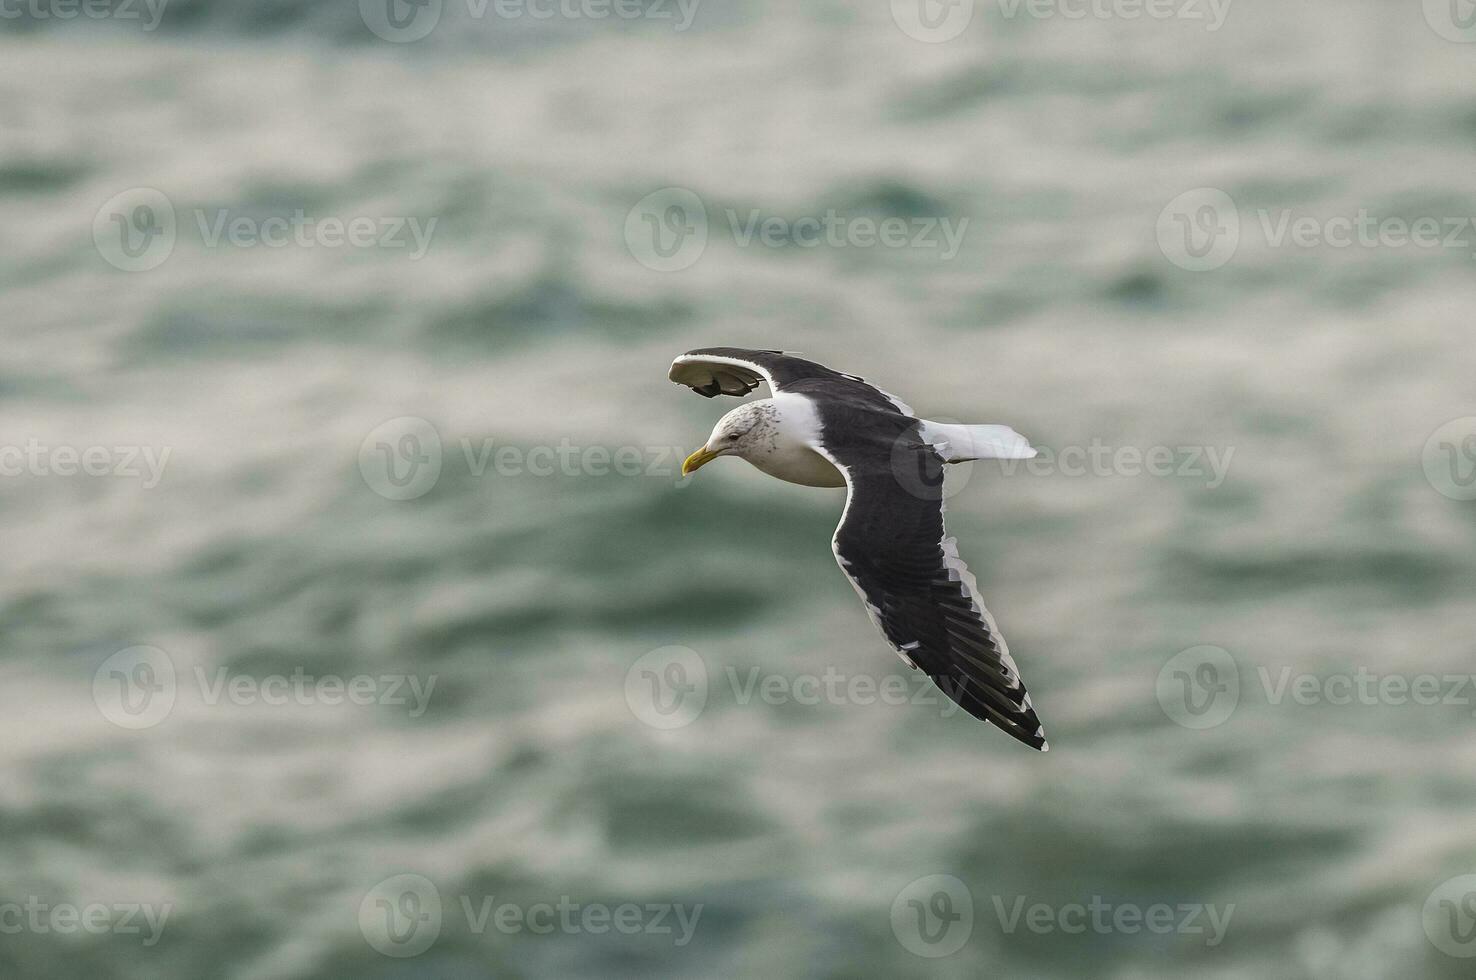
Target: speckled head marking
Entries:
(748, 429)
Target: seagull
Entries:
(823, 428)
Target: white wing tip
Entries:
(958, 443)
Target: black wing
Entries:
(713, 371)
(892, 545)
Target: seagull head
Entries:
(732, 436)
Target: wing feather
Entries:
(713, 371)
(892, 545)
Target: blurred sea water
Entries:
(254, 403)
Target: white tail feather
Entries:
(958, 443)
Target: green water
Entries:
(400, 530)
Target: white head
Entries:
(743, 431)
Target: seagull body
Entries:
(823, 428)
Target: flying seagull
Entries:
(823, 428)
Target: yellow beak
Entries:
(697, 460)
